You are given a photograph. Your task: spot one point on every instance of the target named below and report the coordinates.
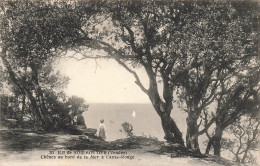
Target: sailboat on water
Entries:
(134, 114)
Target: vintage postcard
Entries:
(144, 82)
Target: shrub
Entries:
(127, 129)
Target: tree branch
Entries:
(117, 55)
(138, 82)
(207, 126)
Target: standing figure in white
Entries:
(102, 130)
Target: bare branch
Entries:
(138, 82)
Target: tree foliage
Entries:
(60, 109)
(245, 141)
(127, 129)
(193, 48)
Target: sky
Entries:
(102, 81)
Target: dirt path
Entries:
(27, 148)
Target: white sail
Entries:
(133, 114)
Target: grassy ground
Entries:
(21, 146)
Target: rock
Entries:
(90, 132)
(81, 129)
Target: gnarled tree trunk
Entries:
(40, 98)
(215, 141)
(163, 109)
(171, 130)
(192, 133)
(210, 143)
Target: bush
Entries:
(127, 129)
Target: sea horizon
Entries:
(145, 122)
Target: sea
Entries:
(145, 122)
(142, 117)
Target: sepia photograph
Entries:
(129, 82)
